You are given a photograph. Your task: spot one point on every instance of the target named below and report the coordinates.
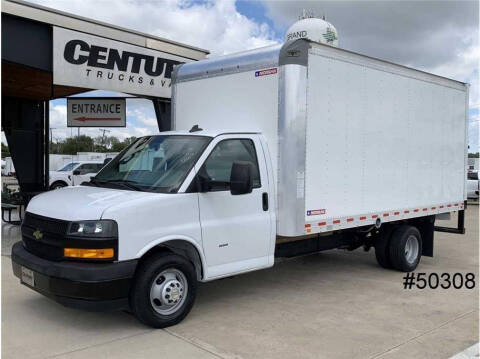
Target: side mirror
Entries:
(241, 178)
(76, 172)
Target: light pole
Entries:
(51, 133)
(103, 135)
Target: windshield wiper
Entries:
(93, 182)
(122, 183)
(125, 183)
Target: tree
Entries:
(84, 143)
(473, 155)
(119, 146)
(129, 140)
(99, 145)
(72, 145)
(5, 150)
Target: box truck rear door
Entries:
(235, 228)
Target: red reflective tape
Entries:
(349, 219)
(322, 223)
(374, 216)
(449, 205)
(386, 214)
(407, 211)
(308, 225)
(362, 218)
(442, 206)
(434, 207)
(416, 210)
(456, 204)
(396, 213)
(336, 221)
(425, 209)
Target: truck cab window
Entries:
(472, 175)
(68, 167)
(218, 166)
(86, 168)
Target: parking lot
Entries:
(335, 304)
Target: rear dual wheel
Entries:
(399, 248)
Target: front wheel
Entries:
(58, 185)
(164, 290)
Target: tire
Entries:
(158, 279)
(405, 248)
(382, 248)
(57, 185)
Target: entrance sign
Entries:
(94, 62)
(96, 112)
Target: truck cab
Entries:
(204, 198)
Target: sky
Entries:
(441, 37)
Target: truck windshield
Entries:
(69, 167)
(153, 164)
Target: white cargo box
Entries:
(353, 139)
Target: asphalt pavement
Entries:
(334, 304)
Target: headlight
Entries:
(101, 228)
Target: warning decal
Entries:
(316, 212)
(271, 71)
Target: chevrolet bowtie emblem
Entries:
(37, 234)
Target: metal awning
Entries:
(28, 49)
(47, 54)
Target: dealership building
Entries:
(49, 54)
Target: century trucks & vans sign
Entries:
(93, 62)
(96, 112)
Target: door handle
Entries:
(265, 201)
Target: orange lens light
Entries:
(88, 253)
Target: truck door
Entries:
(236, 229)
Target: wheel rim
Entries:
(168, 291)
(411, 249)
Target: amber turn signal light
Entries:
(88, 253)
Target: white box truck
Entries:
(280, 151)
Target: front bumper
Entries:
(88, 286)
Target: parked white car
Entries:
(472, 184)
(74, 173)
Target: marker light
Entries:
(88, 253)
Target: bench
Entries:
(7, 209)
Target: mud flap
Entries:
(427, 230)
